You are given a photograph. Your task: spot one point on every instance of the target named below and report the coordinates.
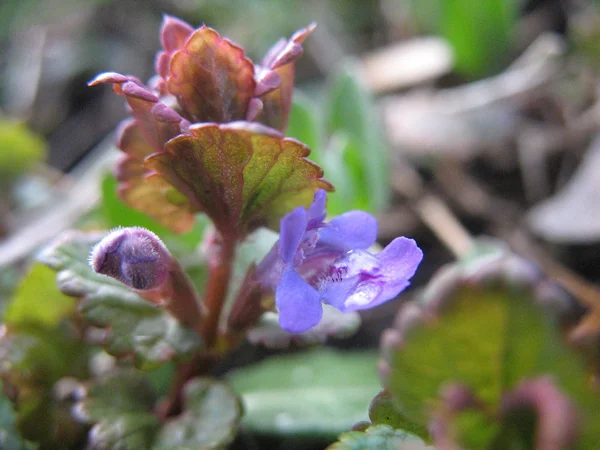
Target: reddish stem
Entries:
(220, 269)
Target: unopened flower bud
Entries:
(134, 256)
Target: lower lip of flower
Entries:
(363, 295)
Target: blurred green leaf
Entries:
(488, 339)
(9, 436)
(482, 324)
(120, 405)
(379, 437)
(32, 362)
(209, 420)
(118, 214)
(344, 167)
(480, 32)
(350, 109)
(383, 411)
(316, 393)
(304, 125)
(133, 326)
(16, 15)
(20, 149)
(38, 301)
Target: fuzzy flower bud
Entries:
(134, 256)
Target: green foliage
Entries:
(38, 348)
(488, 340)
(20, 149)
(351, 110)
(118, 214)
(120, 405)
(379, 437)
(303, 125)
(480, 32)
(32, 362)
(483, 327)
(209, 421)
(383, 411)
(354, 156)
(316, 393)
(133, 326)
(9, 435)
(37, 301)
(243, 177)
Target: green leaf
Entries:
(383, 411)
(241, 175)
(32, 362)
(9, 436)
(338, 163)
(118, 214)
(37, 301)
(480, 33)
(120, 405)
(316, 393)
(304, 126)
(379, 437)
(133, 326)
(20, 149)
(350, 109)
(209, 420)
(482, 327)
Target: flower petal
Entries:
(353, 281)
(351, 230)
(399, 262)
(291, 233)
(316, 211)
(299, 303)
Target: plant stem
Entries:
(220, 269)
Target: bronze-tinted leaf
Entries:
(279, 66)
(174, 33)
(154, 124)
(146, 191)
(211, 78)
(158, 123)
(241, 175)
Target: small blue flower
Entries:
(315, 262)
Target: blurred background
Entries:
(449, 119)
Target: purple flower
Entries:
(134, 256)
(315, 262)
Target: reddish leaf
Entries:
(275, 80)
(158, 123)
(145, 191)
(174, 33)
(211, 78)
(241, 175)
(154, 124)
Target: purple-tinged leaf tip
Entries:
(174, 32)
